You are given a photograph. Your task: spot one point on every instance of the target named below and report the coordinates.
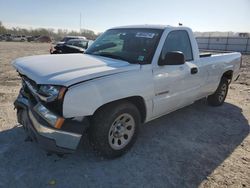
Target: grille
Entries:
(31, 83)
(30, 89)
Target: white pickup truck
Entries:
(130, 75)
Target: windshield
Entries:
(132, 45)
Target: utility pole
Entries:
(80, 22)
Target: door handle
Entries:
(194, 70)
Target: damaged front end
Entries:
(40, 113)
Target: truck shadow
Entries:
(177, 150)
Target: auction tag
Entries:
(145, 35)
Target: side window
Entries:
(178, 41)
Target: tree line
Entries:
(54, 34)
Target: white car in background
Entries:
(19, 38)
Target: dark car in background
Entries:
(63, 41)
(6, 37)
(71, 46)
(32, 38)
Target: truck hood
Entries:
(68, 69)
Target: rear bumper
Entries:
(49, 138)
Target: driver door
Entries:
(175, 85)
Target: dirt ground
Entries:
(197, 146)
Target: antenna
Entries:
(180, 24)
(80, 22)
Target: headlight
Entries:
(49, 93)
(50, 117)
(49, 90)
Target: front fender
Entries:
(85, 98)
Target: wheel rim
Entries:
(121, 131)
(223, 92)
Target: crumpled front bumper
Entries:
(49, 138)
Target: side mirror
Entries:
(172, 58)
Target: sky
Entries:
(99, 15)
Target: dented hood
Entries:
(68, 69)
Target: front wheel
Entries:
(114, 129)
(219, 96)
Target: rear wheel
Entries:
(219, 96)
(114, 129)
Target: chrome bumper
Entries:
(49, 138)
(62, 138)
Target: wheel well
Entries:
(228, 75)
(140, 104)
(136, 100)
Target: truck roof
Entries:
(146, 26)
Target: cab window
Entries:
(178, 41)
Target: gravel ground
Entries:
(197, 146)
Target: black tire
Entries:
(219, 96)
(102, 124)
